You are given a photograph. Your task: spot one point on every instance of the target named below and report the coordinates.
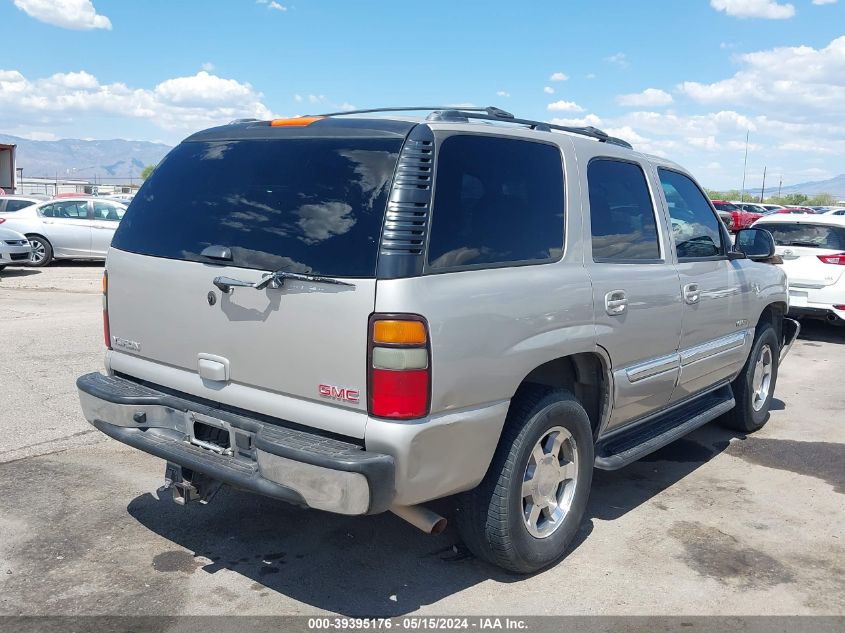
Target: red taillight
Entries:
(837, 258)
(2, 220)
(842, 307)
(399, 367)
(399, 394)
(106, 330)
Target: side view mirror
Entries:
(755, 244)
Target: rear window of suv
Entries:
(312, 205)
(808, 235)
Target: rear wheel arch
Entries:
(585, 375)
(773, 315)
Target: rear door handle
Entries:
(691, 294)
(615, 302)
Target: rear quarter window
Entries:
(16, 205)
(497, 201)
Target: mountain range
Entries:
(834, 186)
(112, 161)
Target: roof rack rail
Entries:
(491, 113)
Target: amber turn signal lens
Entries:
(399, 332)
(300, 120)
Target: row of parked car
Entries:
(741, 215)
(35, 231)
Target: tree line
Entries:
(791, 199)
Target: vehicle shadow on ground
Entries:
(615, 493)
(77, 263)
(379, 565)
(18, 272)
(821, 332)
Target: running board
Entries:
(629, 445)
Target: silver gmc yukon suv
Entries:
(362, 313)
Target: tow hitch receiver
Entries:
(187, 485)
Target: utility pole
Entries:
(763, 190)
(744, 167)
(780, 184)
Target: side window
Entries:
(108, 212)
(496, 201)
(16, 205)
(694, 225)
(621, 213)
(77, 210)
(48, 211)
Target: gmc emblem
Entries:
(339, 393)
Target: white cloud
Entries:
(767, 9)
(565, 106)
(558, 77)
(177, 104)
(549, 90)
(585, 121)
(67, 14)
(272, 5)
(824, 2)
(207, 66)
(591, 76)
(202, 89)
(503, 93)
(620, 59)
(797, 82)
(650, 97)
(789, 98)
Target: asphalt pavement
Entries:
(715, 523)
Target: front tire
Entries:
(528, 508)
(42, 251)
(755, 386)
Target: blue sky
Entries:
(681, 78)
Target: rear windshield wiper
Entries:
(274, 280)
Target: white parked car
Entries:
(813, 252)
(9, 204)
(835, 211)
(73, 228)
(15, 249)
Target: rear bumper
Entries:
(291, 464)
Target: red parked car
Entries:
(741, 219)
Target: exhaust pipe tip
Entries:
(421, 518)
(439, 526)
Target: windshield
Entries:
(302, 205)
(808, 235)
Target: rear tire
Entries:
(42, 251)
(528, 508)
(755, 386)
